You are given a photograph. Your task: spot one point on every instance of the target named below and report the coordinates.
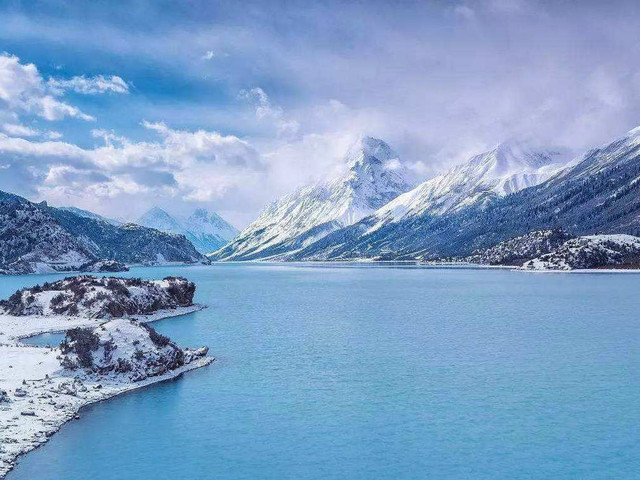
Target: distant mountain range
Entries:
(514, 202)
(207, 231)
(37, 238)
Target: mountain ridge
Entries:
(596, 193)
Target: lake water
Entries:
(368, 372)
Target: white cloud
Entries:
(198, 166)
(90, 85)
(18, 130)
(23, 90)
(51, 109)
(53, 135)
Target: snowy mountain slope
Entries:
(599, 192)
(506, 169)
(37, 238)
(160, 220)
(88, 214)
(592, 251)
(207, 231)
(31, 241)
(374, 177)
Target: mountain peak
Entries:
(514, 157)
(155, 210)
(159, 219)
(367, 150)
(202, 213)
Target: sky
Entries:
(119, 106)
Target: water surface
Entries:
(368, 372)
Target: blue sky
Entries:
(118, 106)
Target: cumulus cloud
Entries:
(23, 90)
(89, 85)
(201, 166)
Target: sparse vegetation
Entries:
(107, 297)
(83, 342)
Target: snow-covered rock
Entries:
(125, 348)
(207, 231)
(31, 241)
(100, 297)
(374, 177)
(520, 249)
(591, 251)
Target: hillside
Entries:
(35, 237)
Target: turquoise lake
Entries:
(376, 372)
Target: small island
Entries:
(108, 349)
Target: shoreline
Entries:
(418, 264)
(52, 397)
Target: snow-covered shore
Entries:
(37, 396)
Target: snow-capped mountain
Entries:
(374, 177)
(506, 169)
(35, 237)
(207, 231)
(599, 192)
(160, 220)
